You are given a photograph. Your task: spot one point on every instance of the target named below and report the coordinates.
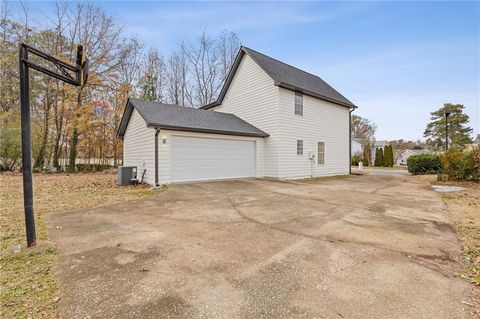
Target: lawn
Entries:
(28, 287)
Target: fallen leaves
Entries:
(28, 279)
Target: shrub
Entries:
(356, 158)
(424, 164)
(379, 157)
(460, 165)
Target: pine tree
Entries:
(379, 157)
(458, 129)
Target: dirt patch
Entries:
(443, 227)
(376, 209)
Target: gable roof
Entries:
(180, 118)
(285, 76)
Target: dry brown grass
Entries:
(28, 288)
(464, 210)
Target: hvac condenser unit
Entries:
(127, 175)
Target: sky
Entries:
(398, 61)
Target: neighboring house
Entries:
(403, 156)
(270, 120)
(357, 148)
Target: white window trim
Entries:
(318, 153)
(300, 108)
(298, 148)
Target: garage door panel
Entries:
(208, 158)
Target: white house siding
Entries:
(165, 151)
(253, 97)
(322, 121)
(139, 147)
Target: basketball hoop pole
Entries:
(79, 80)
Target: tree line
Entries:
(71, 124)
(459, 136)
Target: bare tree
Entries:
(177, 79)
(204, 61)
(363, 128)
(228, 46)
(129, 65)
(152, 77)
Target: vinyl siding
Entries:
(322, 121)
(165, 151)
(139, 147)
(253, 97)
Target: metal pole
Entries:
(157, 131)
(446, 132)
(26, 147)
(350, 141)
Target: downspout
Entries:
(157, 131)
(350, 140)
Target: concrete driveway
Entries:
(361, 247)
(379, 171)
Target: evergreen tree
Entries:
(388, 156)
(379, 157)
(367, 154)
(458, 131)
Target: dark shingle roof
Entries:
(288, 77)
(173, 117)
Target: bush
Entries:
(92, 167)
(424, 164)
(356, 158)
(459, 165)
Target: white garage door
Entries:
(195, 159)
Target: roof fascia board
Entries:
(228, 81)
(312, 94)
(127, 113)
(200, 130)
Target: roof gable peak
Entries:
(285, 76)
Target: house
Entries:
(357, 148)
(270, 120)
(402, 157)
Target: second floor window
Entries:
(298, 104)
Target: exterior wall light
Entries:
(164, 140)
